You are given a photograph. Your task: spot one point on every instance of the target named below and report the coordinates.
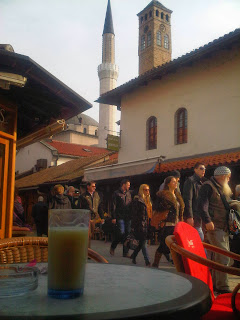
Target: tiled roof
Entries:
(114, 96)
(64, 172)
(208, 160)
(76, 149)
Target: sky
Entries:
(65, 36)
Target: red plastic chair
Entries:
(189, 257)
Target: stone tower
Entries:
(155, 45)
(108, 74)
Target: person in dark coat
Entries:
(91, 200)
(171, 204)
(121, 214)
(59, 200)
(70, 194)
(40, 216)
(190, 196)
(141, 205)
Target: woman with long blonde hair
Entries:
(141, 213)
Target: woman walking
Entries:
(170, 205)
(141, 214)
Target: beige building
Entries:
(187, 108)
(81, 129)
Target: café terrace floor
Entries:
(103, 248)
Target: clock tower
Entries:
(155, 45)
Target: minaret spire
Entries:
(108, 25)
(108, 74)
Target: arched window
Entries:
(150, 14)
(149, 39)
(166, 41)
(152, 133)
(157, 13)
(159, 38)
(162, 15)
(181, 126)
(146, 16)
(167, 17)
(143, 43)
(85, 130)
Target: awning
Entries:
(121, 170)
(156, 165)
(221, 158)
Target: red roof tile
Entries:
(211, 160)
(76, 149)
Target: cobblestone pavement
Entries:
(103, 247)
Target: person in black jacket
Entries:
(121, 214)
(91, 200)
(190, 196)
(140, 221)
(40, 216)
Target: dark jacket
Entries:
(190, 196)
(72, 201)
(210, 206)
(122, 205)
(40, 211)
(139, 221)
(93, 203)
(165, 200)
(59, 201)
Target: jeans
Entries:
(220, 238)
(200, 231)
(142, 245)
(124, 228)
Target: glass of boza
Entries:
(67, 252)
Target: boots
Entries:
(156, 259)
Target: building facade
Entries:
(108, 74)
(81, 129)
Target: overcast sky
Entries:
(65, 36)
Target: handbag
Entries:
(131, 242)
(159, 218)
(233, 219)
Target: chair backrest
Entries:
(188, 238)
(27, 249)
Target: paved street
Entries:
(103, 248)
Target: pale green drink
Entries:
(67, 256)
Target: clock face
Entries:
(146, 29)
(162, 27)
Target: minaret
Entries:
(155, 44)
(108, 74)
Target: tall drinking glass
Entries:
(67, 252)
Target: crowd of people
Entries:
(200, 204)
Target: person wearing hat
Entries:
(191, 189)
(214, 215)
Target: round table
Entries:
(117, 292)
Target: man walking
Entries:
(40, 216)
(214, 214)
(121, 215)
(191, 189)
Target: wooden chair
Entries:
(26, 249)
(193, 261)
